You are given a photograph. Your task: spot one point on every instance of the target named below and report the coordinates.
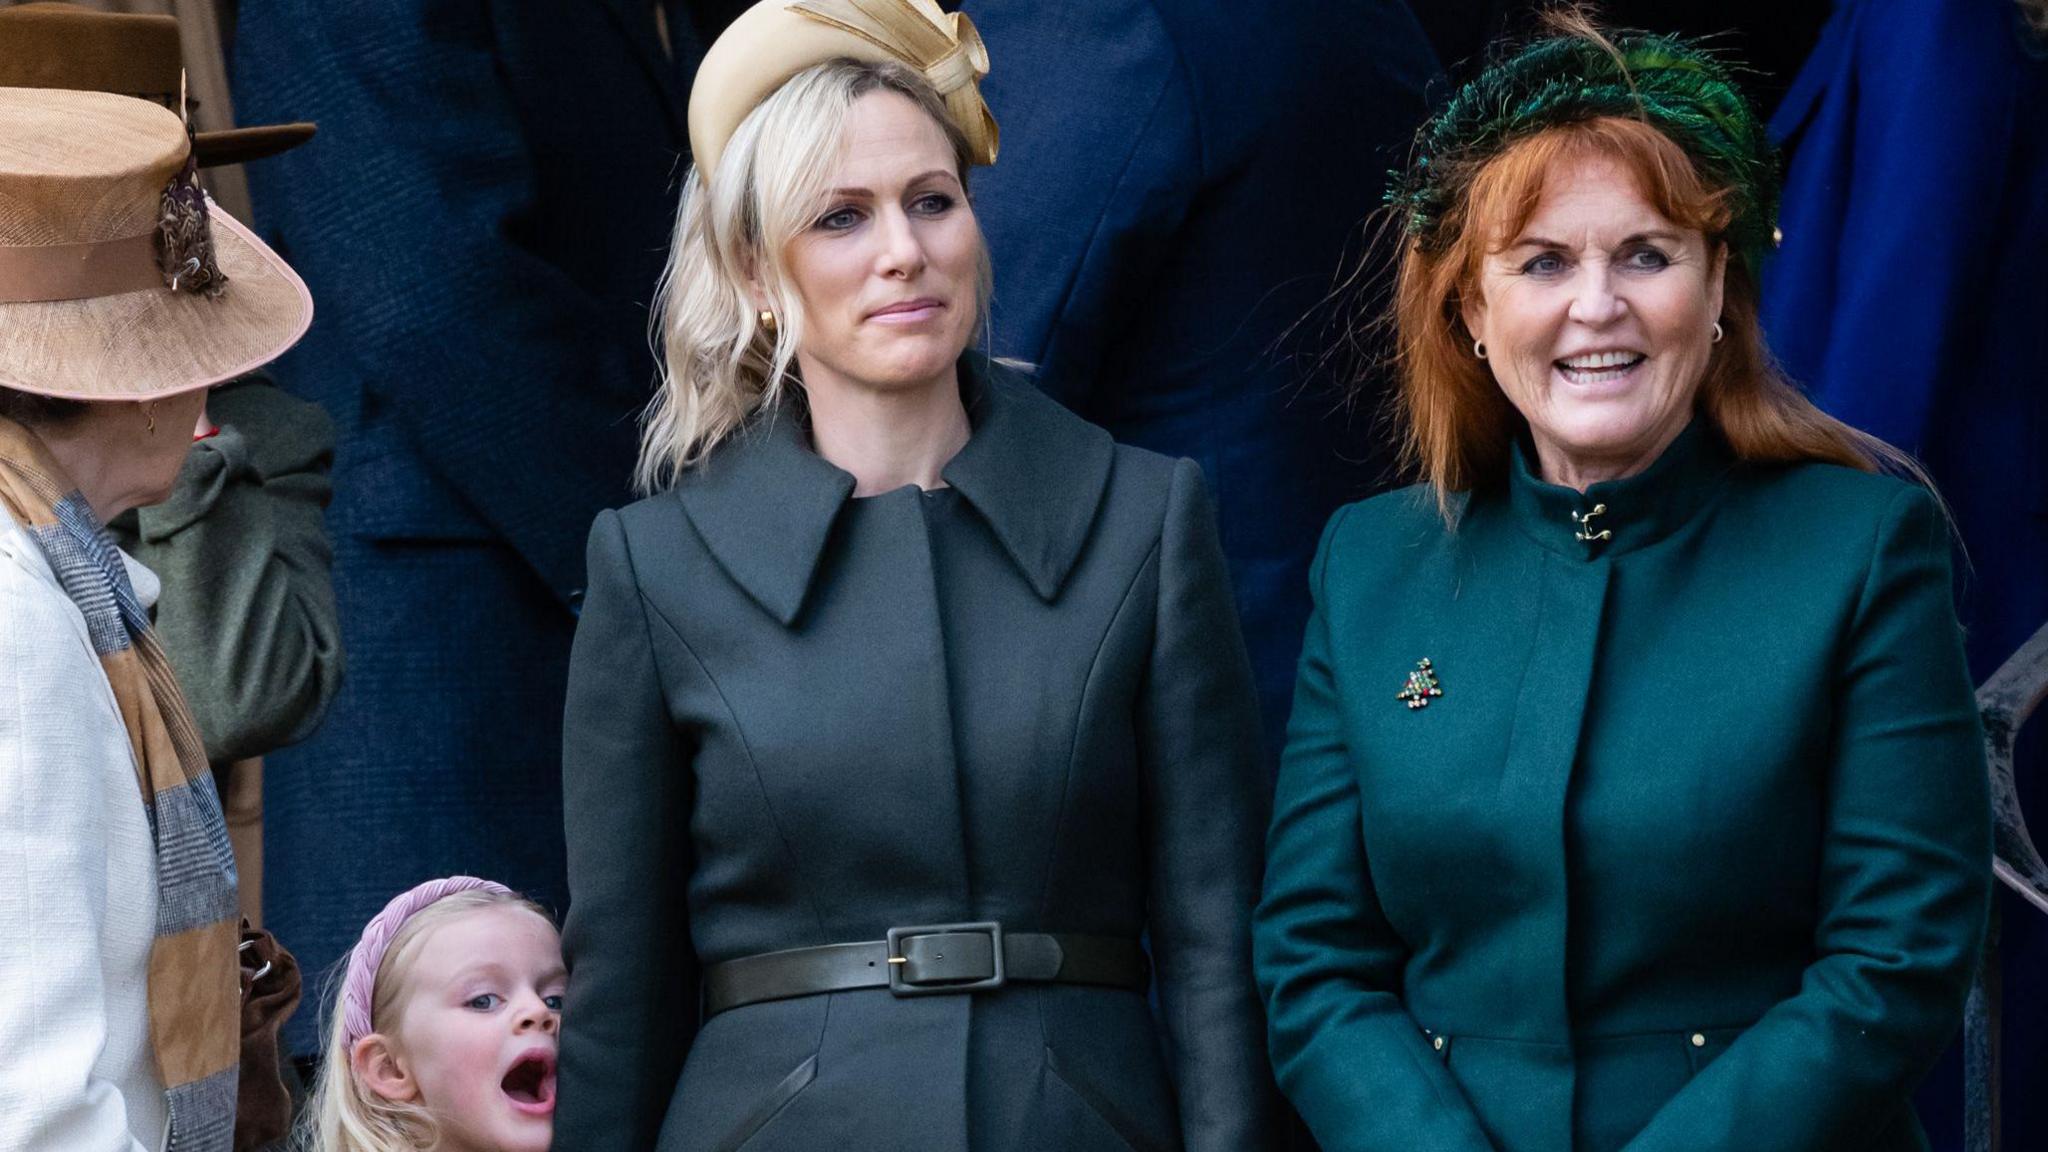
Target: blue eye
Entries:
(933, 204)
(1547, 264)
(554, 1003)
(1648, 259)
(838, 220)
(483, 1002)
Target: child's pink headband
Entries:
(359, 986)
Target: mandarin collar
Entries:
(1615, 517)
(766, 505)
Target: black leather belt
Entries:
(929, 960)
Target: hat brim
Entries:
(156, 342)
(241, 145)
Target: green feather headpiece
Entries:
(1673, 84)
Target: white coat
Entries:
(78, 885)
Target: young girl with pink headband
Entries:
(443, 1034)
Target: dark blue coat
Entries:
(1909, 294)
(1180, 184)
(481, 220)
(1910, 297)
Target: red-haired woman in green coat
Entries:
(1634, 795)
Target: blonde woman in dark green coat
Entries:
(1634, 794)
(910, 701)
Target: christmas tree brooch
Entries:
(1422, 685)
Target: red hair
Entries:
(1457, 426)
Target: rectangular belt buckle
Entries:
(901, 985)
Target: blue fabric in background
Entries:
(481, 221)
(1910, 296)
(1180, 185)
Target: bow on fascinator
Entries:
(776, 39)
(944, 46)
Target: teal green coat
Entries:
(1692, 852)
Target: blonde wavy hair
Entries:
(719, 364)
(344, 1116)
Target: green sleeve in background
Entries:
(247, 613)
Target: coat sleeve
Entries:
(1206, 803)
(1346, 1051)
(632, 1002)
(1905, 876)
(1892, 223)
(247, 615)
(55, 1000)
(413, 208)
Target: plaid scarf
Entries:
(194, 988)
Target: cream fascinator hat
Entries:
(776, 39)
(119, 279)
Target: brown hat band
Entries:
(31, 273)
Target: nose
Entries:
(1594, 300)
(902, 255)
(534, 1015)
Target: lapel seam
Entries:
(653, 611)
(1151, 563)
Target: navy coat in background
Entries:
(1910, 296)
(482, 220)
(1180, 185)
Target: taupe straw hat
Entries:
(119, 280)
(61, 45)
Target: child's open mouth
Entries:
(530, 1084)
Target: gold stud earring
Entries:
(767, 319)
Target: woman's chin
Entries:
(1617, 433)
(914, 366)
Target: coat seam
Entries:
(1866, 593)
(1080, 714)
(649, 608)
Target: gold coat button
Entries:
(1699, 1041)
(1437, 1043)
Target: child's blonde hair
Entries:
(344, 1116)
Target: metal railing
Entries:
(2005, 700)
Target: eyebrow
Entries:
(1665, 235)
(921, 177)
(485, 968)
(492, 968)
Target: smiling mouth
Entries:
(530, 1084)
(1599, 367)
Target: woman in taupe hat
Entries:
(122, 299)
(909, 702)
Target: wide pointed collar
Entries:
(1615, 517)
(1035, 471)
(766, 505)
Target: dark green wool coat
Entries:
(796, 719)
(1692, 852)
(247, 615)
